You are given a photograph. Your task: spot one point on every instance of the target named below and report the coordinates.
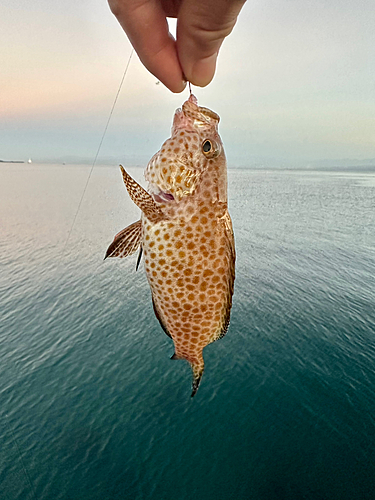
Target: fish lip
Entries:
(192, 117)
(200, 113)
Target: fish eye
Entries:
(207, 146)
(210, 149)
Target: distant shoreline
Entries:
(12, 161)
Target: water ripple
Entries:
(92, 405)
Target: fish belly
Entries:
(190, 268)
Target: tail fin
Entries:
(198, 369)
(197, 366)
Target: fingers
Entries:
(201, 29)
(145, 24)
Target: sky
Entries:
(295, 83)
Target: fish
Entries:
(185, 234)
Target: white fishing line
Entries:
(96, 156)
(63, 253)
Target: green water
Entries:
(92, 407)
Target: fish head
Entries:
(194, 147)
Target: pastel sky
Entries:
(295, 81)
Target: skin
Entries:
(202, 26)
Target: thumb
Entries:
(201, 29)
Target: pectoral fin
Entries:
(126, 241)
(142, 198)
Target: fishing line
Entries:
(64, 248)
(97, 154)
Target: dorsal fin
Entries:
(142, 198)
(126, 241)
(229, 237)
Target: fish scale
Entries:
(186, 235)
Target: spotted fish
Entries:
(186, 235)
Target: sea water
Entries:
(92, 407)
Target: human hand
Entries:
(202, 26)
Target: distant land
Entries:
(12, 161)
(253, 162)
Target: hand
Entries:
(202, 26)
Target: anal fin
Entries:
(159, 319)
(139, 258)
(126, 241)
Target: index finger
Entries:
(146, 26)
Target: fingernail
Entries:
(178, 87)
(184, 83)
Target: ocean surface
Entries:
(92, 408)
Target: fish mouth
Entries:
(192, 116)
(163, 197)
